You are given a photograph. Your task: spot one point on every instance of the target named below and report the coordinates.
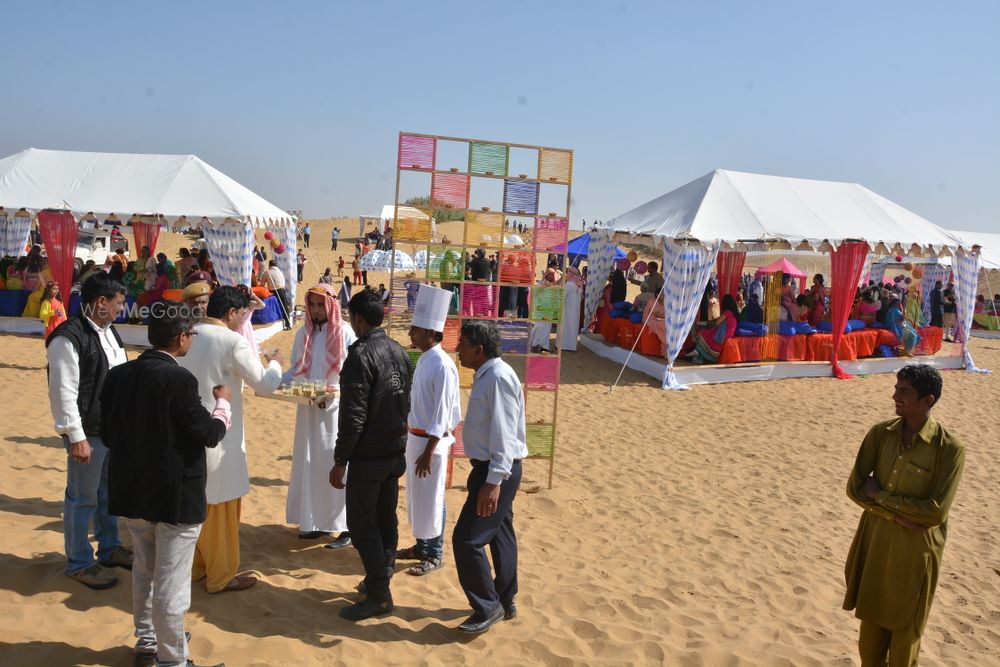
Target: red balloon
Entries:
(268, 236)
(624, 264)
(280, 249)
(899, 258)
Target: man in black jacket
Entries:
(374, 404)
(156, 431)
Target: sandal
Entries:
(409, 553)
(425, 566)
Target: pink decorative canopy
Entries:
(782, 266)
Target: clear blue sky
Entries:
(302, 101)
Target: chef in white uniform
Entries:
(435, 412)
(319, 349)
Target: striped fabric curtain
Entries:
(686, 270)
(966, 268)
(729, 270)
(600, 257)
(932, 274)
(230, 246)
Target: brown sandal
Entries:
(426, 566)
(238, 584)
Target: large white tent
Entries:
(171, 186)
(727, 211)
(732, 206)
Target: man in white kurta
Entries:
(435, 411)
(319, 350)
(219, 355)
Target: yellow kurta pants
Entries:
(217, 554)
(875, 643)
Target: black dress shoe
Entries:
(313, 535)
(474, 625)
(510, 611)
(366, 609)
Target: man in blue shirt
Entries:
(495, 442)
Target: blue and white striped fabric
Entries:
(966, 268)
(420, 259)
(230, 246)
(687, 269)
(602, 256)
(932, 274)
(288, 235)
(14, 233)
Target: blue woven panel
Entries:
(520, 196)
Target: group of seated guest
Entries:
(709, 340)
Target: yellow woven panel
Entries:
(412, 229)
(484, 229)
(555, 166)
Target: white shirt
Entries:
(494, 424)
(221, 356)
(277, 278)
(64, 379)
(435, 406)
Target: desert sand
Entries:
(707, 527)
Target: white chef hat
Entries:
(431, 309)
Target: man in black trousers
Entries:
(375, 402)
(495, 442)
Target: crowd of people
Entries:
(159, 441)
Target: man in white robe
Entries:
(435, 412)
(220, 355)
(319, 350)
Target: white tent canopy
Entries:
(733, 206)
(989, 254)
(125, 183)
(388, 213)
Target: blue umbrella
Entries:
(579, 248)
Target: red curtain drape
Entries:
(729, 267)
(847, 262)
(145, 233)
(59, 234)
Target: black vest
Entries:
(93, 368)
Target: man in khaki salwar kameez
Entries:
(905, 478)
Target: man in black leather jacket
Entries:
(374, 404)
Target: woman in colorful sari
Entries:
(709, 341)
(896, 322)
(818, 296)
(52, 312)
(162, 283)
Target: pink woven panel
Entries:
(517, 267)
(479, 300)
(550, 232)
(416, 152)
(458, 449)
(543, 373)
(450, 190)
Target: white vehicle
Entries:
(97, 244)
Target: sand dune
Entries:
(706, 527)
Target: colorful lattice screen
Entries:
(528, 312)
(488, 159)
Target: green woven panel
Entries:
(547, 303)
(541, 439)
(414, 355)
(444, 263)
(490, 158)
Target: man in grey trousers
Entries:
(156, 477)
